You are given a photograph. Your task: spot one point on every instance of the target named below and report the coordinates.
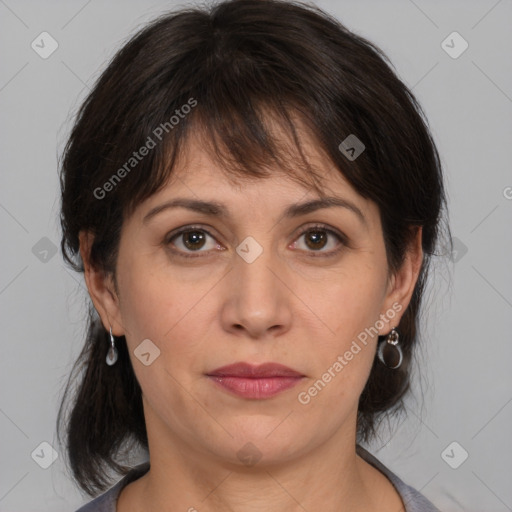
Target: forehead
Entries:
(199, 183)
(200, 165)
(259, 182)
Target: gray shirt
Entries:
(413, 500)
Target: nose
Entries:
(257, 298)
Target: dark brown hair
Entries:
(235, 65)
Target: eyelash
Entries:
(320, 227)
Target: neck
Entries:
(330, 477)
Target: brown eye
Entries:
(190, 240)
(317, 238)
(193, 240)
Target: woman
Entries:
(253, 197)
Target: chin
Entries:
(264, 440)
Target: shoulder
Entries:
(414, 501)
(106, 502)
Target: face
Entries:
(259, 283)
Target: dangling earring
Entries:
(389, 351)
(112, 351)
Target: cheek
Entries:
(149, 308)
(164, 310)
(349, 301)
(349, 306)
(148, 304)
(342, 359)
(163, 307)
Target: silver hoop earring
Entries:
(390, 352)
(112, 351)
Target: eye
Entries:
(195, 239)
(318, 237)
(191, 239)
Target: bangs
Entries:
(256, 109)
(246, 138)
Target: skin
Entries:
(287, 306)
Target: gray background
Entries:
(463, 369)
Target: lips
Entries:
(247, 370)
(255, 381)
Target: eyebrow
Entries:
(217, 209)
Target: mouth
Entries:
(255, 381)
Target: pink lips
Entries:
(255, 382)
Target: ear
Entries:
(403, 281)
(101, 288)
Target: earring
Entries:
(389, 351)
(112, 351)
